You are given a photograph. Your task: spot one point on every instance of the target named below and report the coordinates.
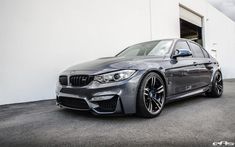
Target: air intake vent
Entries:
(81, 80)
(108, 105)
(63, 80)
(73, 103)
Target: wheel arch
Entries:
(213, 74)
(212, 77)
(157, 71)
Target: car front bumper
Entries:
(109, 98)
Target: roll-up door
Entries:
(190, 17)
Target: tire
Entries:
(217, 86)
(151, 96)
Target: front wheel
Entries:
(217, 86)
(151, 96)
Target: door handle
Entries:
(195, 63)
(208, 63)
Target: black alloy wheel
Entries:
(151, 96)
(217, 86)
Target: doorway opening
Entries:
(191, 25)
(190, 31)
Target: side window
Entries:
(205, 53)
(181, 45)
(197, 51)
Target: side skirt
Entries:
(187, 94)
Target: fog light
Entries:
(101, 98)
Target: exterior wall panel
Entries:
(38, 39)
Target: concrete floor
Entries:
(197, 121)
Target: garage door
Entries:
(190, 17)
(191, 25)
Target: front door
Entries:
(181, 75)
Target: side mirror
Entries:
(182, 53)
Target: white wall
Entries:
(221, 36)
(165, 19)
(40, 38)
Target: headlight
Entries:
(114, 76)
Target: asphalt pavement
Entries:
(197, 121)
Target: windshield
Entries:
(154, 48)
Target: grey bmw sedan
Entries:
(141, 79)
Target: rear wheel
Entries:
(151, 96)
(217, 86)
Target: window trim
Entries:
(208, 55)
(199, 47)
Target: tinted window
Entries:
(197, 51)
(181, 45)
(154, 48)
(205, 53)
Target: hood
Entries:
(114, 63)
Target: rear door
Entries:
(202, 64)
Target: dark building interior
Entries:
(190, 31)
